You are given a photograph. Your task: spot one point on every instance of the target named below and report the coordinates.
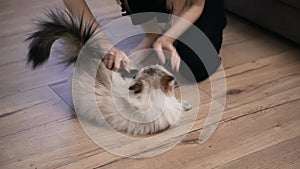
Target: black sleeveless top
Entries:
(213, 15)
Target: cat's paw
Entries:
(185, 105)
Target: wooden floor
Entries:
(259, 129)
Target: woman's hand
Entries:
(116, 59)
(166, 43)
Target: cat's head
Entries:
(149, 79)
(153, 77)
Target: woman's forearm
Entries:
(80, 7)
(114, 59)
(186, 19)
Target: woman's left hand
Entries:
(166, 43)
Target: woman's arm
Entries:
(186, 19)
(80, 7)
(165, 42)
(114, 57)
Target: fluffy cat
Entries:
(145, 103)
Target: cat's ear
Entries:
(137, 87)
(167, 83)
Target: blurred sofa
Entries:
(279, 16)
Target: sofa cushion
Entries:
(274, 15)
(292, 3)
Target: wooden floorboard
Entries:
(33, 79)
(259, 79)
(282, 156)
(259, 128)
(16, 110)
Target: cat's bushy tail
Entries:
(60, 24)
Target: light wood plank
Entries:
(16, 110)
(257, 80)
(239, 53)
(33, 79)
(49, 145)
(280, 156)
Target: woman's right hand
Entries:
(116, 59)
(165, 43)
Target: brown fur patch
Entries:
(137, 87)
(165, 84)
